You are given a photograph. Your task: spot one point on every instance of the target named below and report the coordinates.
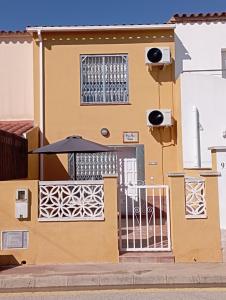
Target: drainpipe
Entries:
(41, 103)
(196, 137)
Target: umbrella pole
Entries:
(75, 177)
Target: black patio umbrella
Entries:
(72, 144)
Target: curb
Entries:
(104, 281)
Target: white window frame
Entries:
(16, 248)
(124, 95)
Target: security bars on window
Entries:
(195, 198)
(92, 166)
(104, 78)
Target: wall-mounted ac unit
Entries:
(159, 117)
(157, 56)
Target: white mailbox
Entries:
(22, 203)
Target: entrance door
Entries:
(143, 209)
(127, 168)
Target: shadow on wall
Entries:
(162, 73)
(165, 134)
(8, 261)
(53, 166)
(181, 55)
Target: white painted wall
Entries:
(198, 46)
(16, 77)
(208, 94)
(199, 63)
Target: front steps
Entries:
(146, 257)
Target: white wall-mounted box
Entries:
(21, 203)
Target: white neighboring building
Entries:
(16, 76)
(201, 65)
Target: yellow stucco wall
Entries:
(195, 240)
(32, 137)
(148, 89)
(60, 242)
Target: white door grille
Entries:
(145, 220)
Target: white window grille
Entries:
(195, 202)
(92, 166)
(104, 78)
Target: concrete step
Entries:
(147, 257)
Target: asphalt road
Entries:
(141, 294)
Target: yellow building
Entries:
(114, 85)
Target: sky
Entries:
(17, 14)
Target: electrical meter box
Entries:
(22, 203)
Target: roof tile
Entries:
(198, 17)
(16, 127)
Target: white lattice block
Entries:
(195, 198)
(71, 202)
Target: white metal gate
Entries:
(145, 219)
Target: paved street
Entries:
(141, 294)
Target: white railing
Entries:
(145, 219)
(71, 200)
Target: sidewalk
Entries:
(102, 276)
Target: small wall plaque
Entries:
(131, 137)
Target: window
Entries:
(104, 78)
(15, 239)
(91, 166)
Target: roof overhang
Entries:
(100, 28)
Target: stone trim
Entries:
(176, 174)
(217, 148)
(210, 174)
(109, 176)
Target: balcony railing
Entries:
(71, 200)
